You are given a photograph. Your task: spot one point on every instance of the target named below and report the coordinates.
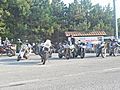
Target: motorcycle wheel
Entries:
(44, 61)
(115, 51)
(18, 58)
(82, 53)
(67, 57)
(60, 55)
(103, 52)
(67, 53)
(44, 58)
(97, 52)
(73, 54)
(10, 53)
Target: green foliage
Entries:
(39, 19)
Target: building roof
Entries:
(76, 33)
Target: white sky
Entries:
(103, 3)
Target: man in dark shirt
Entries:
(71, 40)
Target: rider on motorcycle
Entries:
(45, 50)
(47, 44)
(113, 43)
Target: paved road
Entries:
(90, 73)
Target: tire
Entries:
(110, 51)
(44, 61)
(10, 53)
(97, 52)
(60, 55)
(82, 53)
(115, 51)
(74, 54)
(45, 57)
(67, 53)
(18, 58)
(103, 52)
(25, 57)
(110, 54)
(67, 57)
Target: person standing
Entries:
(71, 40)
(19, 43)
(6, 42)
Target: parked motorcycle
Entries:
(81, 50)
(114, 50)
(8, 50)
(73, 51)
(67, 51)
(101, 49)
(61, 51)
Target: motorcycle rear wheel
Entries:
(10, 53)
(18, 58)
(103, 52)
(115, 51)
(60, 55)
(82, 53)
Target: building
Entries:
(92, 37)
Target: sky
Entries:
(103, 3)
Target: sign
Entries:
(93, 40)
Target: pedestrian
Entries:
(19, 43)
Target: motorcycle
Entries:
(67, 51)
(44, 53)
(114, 50)
(101, 49)
(81, 50)
(64, 50)
(61, 51)
(73, 51)
(24, 52)
(8, 50)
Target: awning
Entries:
(76, 33)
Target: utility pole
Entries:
(115, 20)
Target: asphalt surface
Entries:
(90, 73)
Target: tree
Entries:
(39, 19)
(16, 23)
(59, 19)
(4, 13)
